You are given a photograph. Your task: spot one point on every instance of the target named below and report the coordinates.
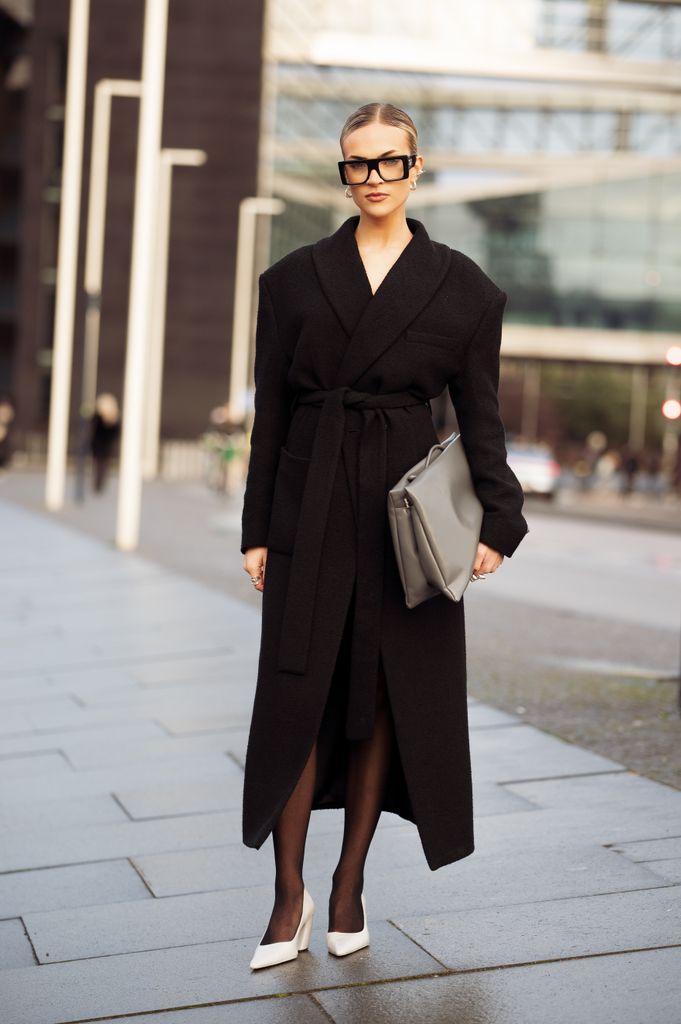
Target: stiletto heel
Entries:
(305, 934)
(342, 943)
(278, 952)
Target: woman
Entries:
(361, 702)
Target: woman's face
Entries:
(376, 197)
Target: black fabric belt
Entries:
(371, 522)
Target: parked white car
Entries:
(536, 468)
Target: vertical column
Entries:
(67, 259)
(141, 272)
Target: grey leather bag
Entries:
(435, 518)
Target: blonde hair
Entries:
(383, 113)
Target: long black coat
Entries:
(343, 381)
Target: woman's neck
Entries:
(383, 232)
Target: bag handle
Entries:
(440, 447)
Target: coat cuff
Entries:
(253, 540)
(500, 534)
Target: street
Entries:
(126, 689)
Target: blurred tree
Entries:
(589, 397)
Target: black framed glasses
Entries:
(390, 168)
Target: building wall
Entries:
(212, 102)
(12, 36)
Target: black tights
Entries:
(368, 765)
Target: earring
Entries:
(348, 193)
(412, 186)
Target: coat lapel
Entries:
(373, 323)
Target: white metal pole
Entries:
(152, 409)
(243, 297)
(105, 90)
(67, 260)
(141, 272)
(96, 219)
(152, 417)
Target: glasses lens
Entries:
(391, 168)
(356, 172)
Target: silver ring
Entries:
(254, 579)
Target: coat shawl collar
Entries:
(374, 322)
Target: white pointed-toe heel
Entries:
(278, 952)
(342, 943)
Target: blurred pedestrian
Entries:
(230, 430)
(361, 701)
(629, 465)
(104, 431)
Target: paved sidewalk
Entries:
(125, 890)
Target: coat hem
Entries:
(255, 842)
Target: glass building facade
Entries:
(553, 158)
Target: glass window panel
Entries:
(563, 24)
(477, 130)
(522, 131)
(652, 133)
(636, 31)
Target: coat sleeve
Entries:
(272, 400)
(474, 394)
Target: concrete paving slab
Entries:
(396, 852)
(81, 932)
(210, 666)
(484, 716)
(615, 989)
(219, 794)
(503, 879)
(41, 763)
(94, 676)
(15, 948)
(79, 885)
(52, 847)
(463, 939)
(76, 651)
(490, 798)
(159, 701)
(668, 869)
(195, 975)
(186, 723)
(84, 755)
(622, 806)
(651, 849)
(219, 868)
(14, 722)
(213, 868)
(111, 778)
(278, 1010)
(76, 718)
(526, 752)
(20, 697)
(73, 739)
(216, 794)
(224, 867)
(60, 813)
(549, 930)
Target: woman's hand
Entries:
(486, 560)
(254, 564)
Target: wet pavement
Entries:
(125, 891)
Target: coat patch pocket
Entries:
(289, 487)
